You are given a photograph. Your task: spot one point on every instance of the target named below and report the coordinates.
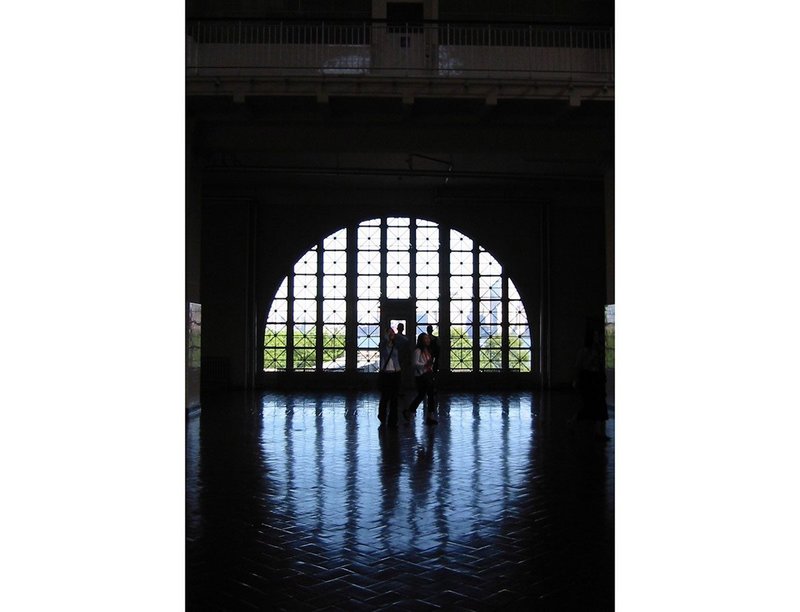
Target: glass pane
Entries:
(334, 262)
(427, 262)
(519, 336)
(398, 238)
(398, 262)
(427, 238)
(278, 311)
(367, 336)
(368, 311)
(275, 336)
(461, 311)
(460, 263)
(489, 265)
(307, 263)
(369, 238)
(369, 287)
(334, 287)
(461, 360)
(283, 290)
(428, 311)
(519, 361)
(274, 359)
(490, 336)
(428, 287)
(305, 287)
(398, 221)
(333, 347)
(490, 312)
(459, 242)
(490, 288)
(461, 287)
(305, 311)
(460, 337)
(490, 359)
(367, 361)
(336, 241)
(516, 313)
(305, 360)
(305, 336)
(513, 294)
(334, 311)
(369, 262)
(398, 287)
(371, 222)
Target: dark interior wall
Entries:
(288, 220)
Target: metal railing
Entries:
(514, 51)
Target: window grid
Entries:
(307, 326)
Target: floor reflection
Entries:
(302, 497)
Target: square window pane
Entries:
(491, 336)
(334, 287)
(333, 336)
(427, 262)
(519, 336)
(307, 263)
(461, 287)
(369, 287)
(305, 287)
(461, 360)
(368, 311)
(334, 311)
(304, 336)
(461, 311)
(367, 336)
(274, 359)
(488, 265)
(428, 311)
(305, 360)
(490, 312)
(334, 262)
(460, 337)
(459, 242)
(427, 238)
(398, 287)
(367, 361)
(369, 238)
(334, 360)
(278, 311)
(490, 359)
(519, 361)
(275, 336)
(398, 262)
(305, 311)
(369, 262)
(336, 241)
(490, 288)
(428, 287)
(460, 263)
(398, 238)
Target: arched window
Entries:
(326, 314)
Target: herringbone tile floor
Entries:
(299, 502)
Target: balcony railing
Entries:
(502, 51)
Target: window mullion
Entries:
(320, 303)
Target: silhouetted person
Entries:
(435, 352)
(423, 377)
(590, 381)
(404, 350)
(389, 379)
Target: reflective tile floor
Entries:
(300, 502)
